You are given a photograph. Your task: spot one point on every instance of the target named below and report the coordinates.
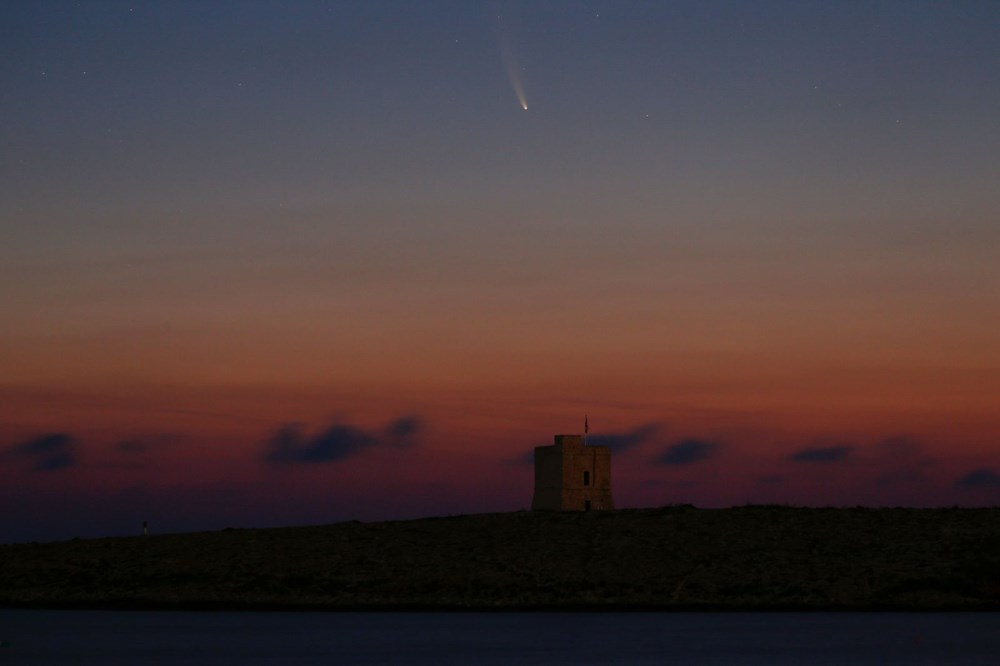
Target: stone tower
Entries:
(571, 476)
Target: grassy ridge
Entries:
(668, 558)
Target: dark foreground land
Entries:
(671, 558)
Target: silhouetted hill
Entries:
(755, 557)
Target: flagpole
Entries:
(586, 428)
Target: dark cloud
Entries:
(687, 451)
(980, 478)
(48, 452)
(899, 447)
(291, 443)
(616, 441)
(140, 445)
(404, 427)
(904, 463)
(770, 479)
(907, 476)
(622, 441)
(132, 446)
(823, 454)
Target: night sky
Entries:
(276, 263)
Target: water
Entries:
(106, 637)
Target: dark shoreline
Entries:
(671, 559)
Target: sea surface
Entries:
(114, 637)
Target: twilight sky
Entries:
(270, 263)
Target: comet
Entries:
(510, 64)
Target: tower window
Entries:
(586, 478)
